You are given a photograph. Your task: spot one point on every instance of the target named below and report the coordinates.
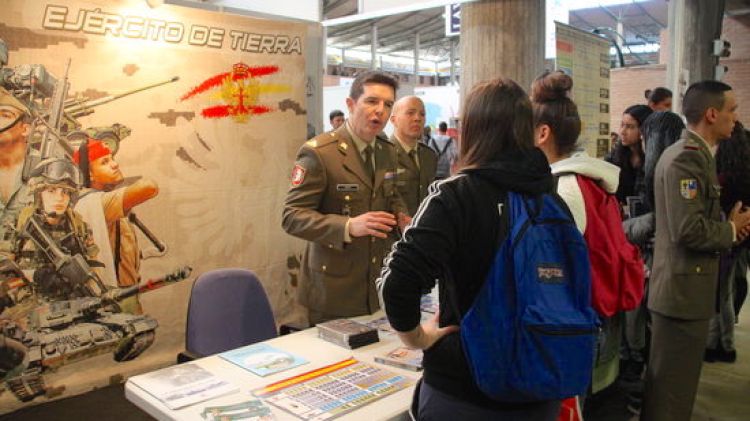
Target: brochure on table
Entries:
(263, 359)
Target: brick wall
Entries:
(629, 83)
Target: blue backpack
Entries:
(530, 333)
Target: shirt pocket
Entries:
(330, 262)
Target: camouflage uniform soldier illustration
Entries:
(53, 239)
(112, 211)
(14, 193)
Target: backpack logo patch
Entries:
(550, 273)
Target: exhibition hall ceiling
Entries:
(641, 24)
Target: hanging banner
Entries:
(585, 57)
(139, 148)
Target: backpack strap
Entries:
(447, 145)
(503, 231)
(433, 145)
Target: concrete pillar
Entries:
(693, 25)
(502, 38)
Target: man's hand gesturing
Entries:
(375, 223)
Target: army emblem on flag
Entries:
(689, 188)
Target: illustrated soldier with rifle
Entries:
(53, 239)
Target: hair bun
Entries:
(551, 86)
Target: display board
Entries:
(200, 115)
(585, 57)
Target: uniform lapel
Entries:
(352, 159)
(403, 156)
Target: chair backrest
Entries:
(228, 309)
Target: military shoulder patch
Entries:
(298, 175)
(689, 188)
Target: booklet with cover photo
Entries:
(263, 359)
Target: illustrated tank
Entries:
(62, 332)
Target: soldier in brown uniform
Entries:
(416, 161)
(343, 201)
(689, 235)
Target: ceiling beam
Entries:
(645, 12)
(428, 4)
(332, 5)
(585, 22)
(364, 29)
(386, 39)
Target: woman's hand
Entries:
(426, 334)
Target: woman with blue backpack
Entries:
(461, 235)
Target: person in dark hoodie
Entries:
(453, 238)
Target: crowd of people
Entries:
(378, 236)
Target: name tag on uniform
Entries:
(347, 187)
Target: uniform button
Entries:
(330, 246)
(347, 198)
(373, 195)
(374, 260)
(323, 268)
(698, 269)
(372, 239)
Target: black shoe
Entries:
(634, 403)
(726, 356)
(709, 355)
(632, 371)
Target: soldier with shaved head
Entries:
(416, 161)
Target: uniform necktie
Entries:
(368, 163)
(413, 156)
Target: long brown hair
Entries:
(497, 119)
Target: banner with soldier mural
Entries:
(139, 148)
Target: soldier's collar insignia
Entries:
(343, 145)
(688, 188)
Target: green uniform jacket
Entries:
(689, 232)
(329, 184)
(412, 180)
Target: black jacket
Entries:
(631, 179)
(455, 230)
